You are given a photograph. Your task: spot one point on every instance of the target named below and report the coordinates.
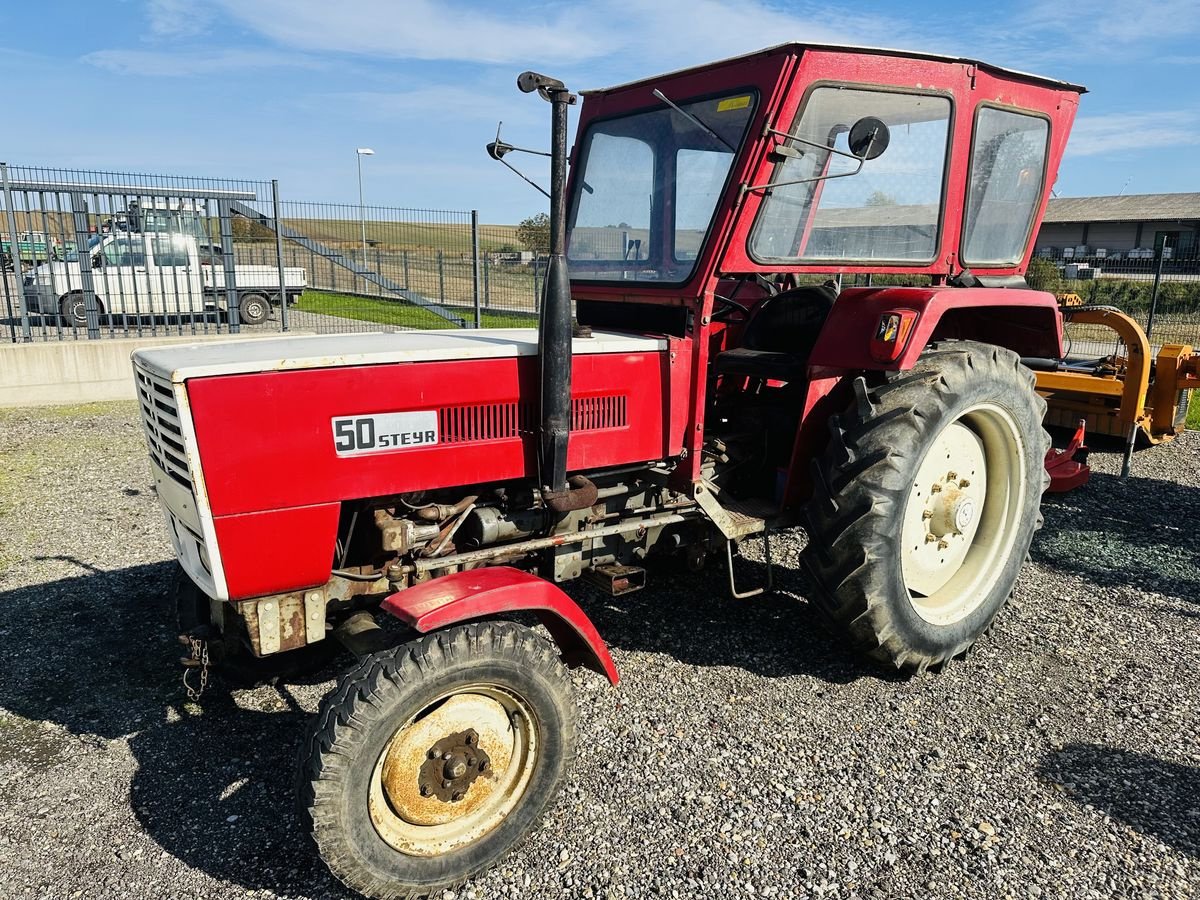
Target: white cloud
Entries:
(665, 33)
(156, 63)
(1111, 133)
(178, 18)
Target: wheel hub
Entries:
(952, 509)
(451, 767)
(444, 766)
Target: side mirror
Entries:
(868, 138)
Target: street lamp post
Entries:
(362, 210)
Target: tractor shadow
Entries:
(692, 618)
(1154, 797)
(1138, 533)
(213, 786)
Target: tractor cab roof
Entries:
(796, 47)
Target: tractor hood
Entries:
(179, 363)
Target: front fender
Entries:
(1025, 321)
(480, 593)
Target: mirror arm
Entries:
(747, 188)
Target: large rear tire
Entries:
(925, 503)
(430, 761)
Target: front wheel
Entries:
(925, 503)
(253, 309)
(432, 760)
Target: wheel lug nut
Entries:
(425, 792)
(951, 476)
(966, 482)
(930, 537)
(942, 545)
(934, 488)
(435, 754)
(458, 795)
(927, 514)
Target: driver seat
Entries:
(780, 335)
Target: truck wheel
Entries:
(253, 309)
(235, 663)
(74, 310)
(430, 761)
(925, 503)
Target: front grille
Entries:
(160, 421)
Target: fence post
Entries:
(232, 313)
(404, 259)
(441, 279)
(80, 215)
(283, 295)
(487, 282)
(475, 266)
(14, 253)
(1160, 254)
(378, 271)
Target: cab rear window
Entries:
(1008, 169)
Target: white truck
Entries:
(156, 274)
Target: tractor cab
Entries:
(756, 206)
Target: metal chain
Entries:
(199, 655)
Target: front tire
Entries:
(254, 309)
(430, 761)
(925, 503)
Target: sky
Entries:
(288, 89)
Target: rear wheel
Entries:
(74, 310)
(254, 309)
(925, 503)
(432, 760)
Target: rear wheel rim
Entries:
(254, 310)
(490, 735)
(965, 506)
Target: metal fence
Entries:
(1160, 288)
(104, 254)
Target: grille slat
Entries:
(164, 431)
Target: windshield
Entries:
(827, 208)
(649, 185)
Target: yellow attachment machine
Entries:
(1124, 393)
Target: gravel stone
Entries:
(747, 752)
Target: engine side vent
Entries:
(484, 422)
(595, 413)
(497, 421)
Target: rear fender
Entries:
(1025, 321)
(484, 593)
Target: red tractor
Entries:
(698, 376)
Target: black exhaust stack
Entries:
(554, 325)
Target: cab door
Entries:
(174, 277)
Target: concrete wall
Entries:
(69, 372)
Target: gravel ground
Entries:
(746, 753)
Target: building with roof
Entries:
(1127, 226)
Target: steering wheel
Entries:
(728, 308)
